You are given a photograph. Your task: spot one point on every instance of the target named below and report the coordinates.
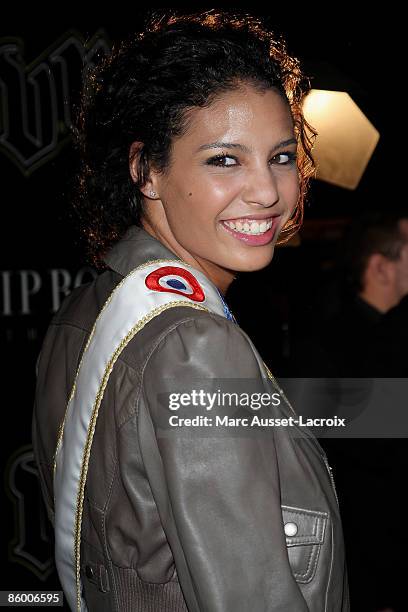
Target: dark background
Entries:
(339, 50)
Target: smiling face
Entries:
(231, 185)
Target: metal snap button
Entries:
(89, 572)
(290, 529)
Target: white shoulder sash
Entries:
(142, 295)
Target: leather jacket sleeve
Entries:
(218, 496)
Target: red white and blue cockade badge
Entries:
(175, 280)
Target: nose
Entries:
(262, 188)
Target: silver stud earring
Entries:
(152, 194)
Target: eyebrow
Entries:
(234, 145)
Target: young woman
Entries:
(195, 163)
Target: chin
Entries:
(252, 264)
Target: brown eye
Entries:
(223, 161)
(285, 158)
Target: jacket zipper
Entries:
(326, 463)
(330, 471)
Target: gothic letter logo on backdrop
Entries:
(36, 99)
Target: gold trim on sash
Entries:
(87, 450)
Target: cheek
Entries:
(190, 211)
(290, 190)
(402, 266)
(222, 188)
(404, 273)
(201, 198)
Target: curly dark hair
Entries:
(142, 92)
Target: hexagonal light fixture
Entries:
(346, 138)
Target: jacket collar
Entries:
(135, 248)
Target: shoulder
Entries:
(180, 334)
(190, 339)
(81, 307)
(70, 327)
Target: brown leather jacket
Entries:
(187, 522)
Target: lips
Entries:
(255, 217)
(256, 230)
(250, 226)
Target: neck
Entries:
(221, 277)
(377, 299)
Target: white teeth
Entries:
(253, 227)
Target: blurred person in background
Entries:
(364, 337)
(373, 281)
(376, 255)
(386, 289)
